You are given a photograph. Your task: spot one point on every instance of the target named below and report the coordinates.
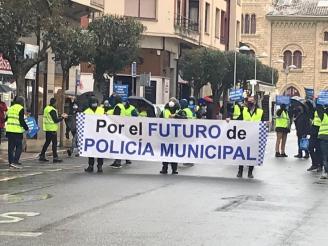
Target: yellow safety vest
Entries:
(257, 116)
(316, 119)
(12, 124)
(189, 113)
(167, 114)
(236, 112)
(323, 130)
(99, 111)
(121, 106)
(129, 110)
(48, 124)
(110, 112)
(143, 114)
(283, 120)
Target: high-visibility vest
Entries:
(283, 120)
(121, 106)
(48, 124)
(257, 116)
(99, 111)
(189, 113)
(12, 124)
(166, 114)
(323, 130)
(316, 120)
(129, 110)
(110, 112)
(143, 113)
(236, 112)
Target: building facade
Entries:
(173, 26)
(294, 35)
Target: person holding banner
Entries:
(50, 126)
(170, 111)
(303, 128)
(15, 127)
(251, 112)
(282, 126)
(108, 109)
(94, 109)
(314, 145)
(323, 136)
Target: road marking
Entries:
(19, 176)
(13, 218)
(20, 234)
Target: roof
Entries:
(301, 8)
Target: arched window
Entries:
(252, 53)
(297, 59)
(253, 24)
(325, 37)
(247, 22)
(242, 23)
(287, 58)
(292, 92)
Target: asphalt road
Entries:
(203, 205)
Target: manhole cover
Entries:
(6, 198)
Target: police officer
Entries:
(185, 111)
(237, 109)
(108, 109)
(170, 110)
(15, 127)
(130, 110)
(94, 109)
(323, 136)
(250, 113)
(50, 126)
(314, 142)
(282, 124)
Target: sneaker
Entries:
(324, 176)
(69, 152)
(116, 165)
(43, 159)
(284, 155)
(57, 161)
(15, 166)
(278, 154)
(319, 170)
(128, 162)
(312, 168)
(163, 172)
(306, 157)
(174, 172)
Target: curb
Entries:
(33, 157)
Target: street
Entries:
(59, 204)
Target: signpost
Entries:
(133, 76)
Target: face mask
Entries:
(250, 104)
(94, 105)
(171, 104)
(106, 105)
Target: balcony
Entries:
(98, 3)
(79, 8)
(185, 24)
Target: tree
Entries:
(21, 19)
(117, 46)
(71, 45)
(193, 69)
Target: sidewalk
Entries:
(33, 148)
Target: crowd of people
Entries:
(313, 124)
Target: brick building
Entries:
(294, 35)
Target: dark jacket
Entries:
(302, 124)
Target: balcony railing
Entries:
(98, 3)
(186, 24)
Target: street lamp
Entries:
(287, 70)
(264, 55)
(242, 48)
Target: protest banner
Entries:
(33, 127)
(236, 95)
(172, 140)
(283, 100)
(309, 93)
(323, 98)
(122, 90)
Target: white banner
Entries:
(172, 140)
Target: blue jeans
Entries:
(324, 153)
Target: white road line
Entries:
(19, 176)
(20, 234)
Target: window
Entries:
(292, 92)
(217, 23)
(242, 24)
(297, 59)
(247, 21)
(207, 17)
(325, 38)
(223, 30)
(287, 58)
(325, 60)
(141, 8)
(253, 24)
